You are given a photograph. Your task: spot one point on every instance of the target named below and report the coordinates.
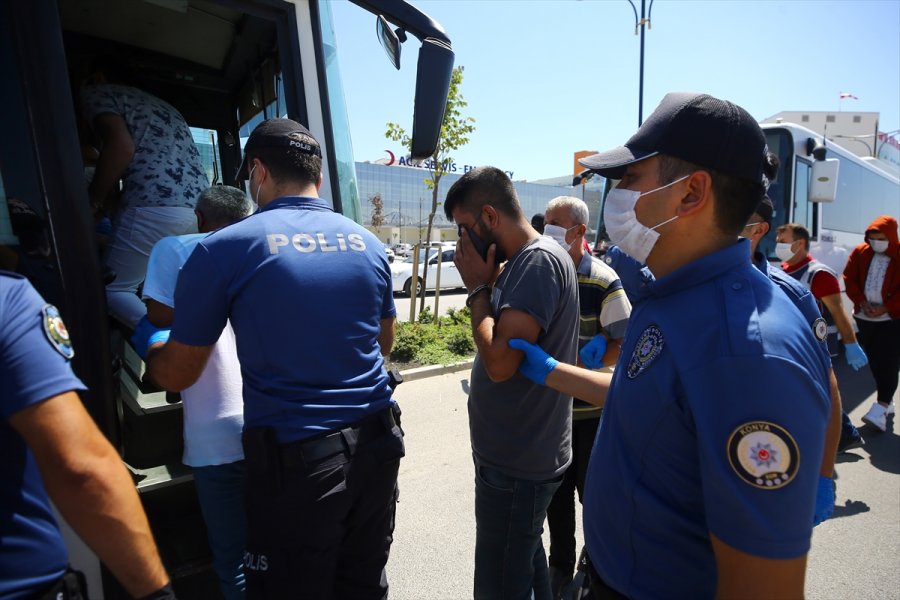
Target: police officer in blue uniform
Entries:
(755, 230)
(48, 439)
(308, 294)
(700, 486)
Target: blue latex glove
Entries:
(537, 364)
(145, 335)
(855, 356)
(592, 352)
(824, 499)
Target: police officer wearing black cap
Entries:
(700, 484)
(50, 448)
(308, 294)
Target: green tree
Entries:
(455, 131)
(377, 210)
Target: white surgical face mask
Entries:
(879, 246)
(623, 227)
(559, 234)
(783, 251)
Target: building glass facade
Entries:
(407, 200)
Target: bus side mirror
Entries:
(824, 177)
(389, 40)
(432, 86)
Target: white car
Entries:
(402, 271)
(402, 249)
(390, 253)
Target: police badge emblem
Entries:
(648, 347)
(763, 454)
(56, 332)
(820, 329)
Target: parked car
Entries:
(402, 249)
(390, 253)
(402, 271)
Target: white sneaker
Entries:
(876, 417)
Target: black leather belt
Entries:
(309, 451)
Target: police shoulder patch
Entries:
(56, 332)
(649, 345)
(820, 329)
(763, 454)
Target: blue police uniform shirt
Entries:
(306, 290)
(691, 443)
(33, 368)
(802, 298)
(633, 275)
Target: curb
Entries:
(435, 370)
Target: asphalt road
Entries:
(855, 555)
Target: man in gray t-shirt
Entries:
(520, 431)
(147, 145)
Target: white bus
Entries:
(865, 189)
(225, 65)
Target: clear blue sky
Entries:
(546, 78)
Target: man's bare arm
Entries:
(159, 314)
(117, 153)
(493, 334)
(174, 366)
(841, 320)
(833, 432)
(87, 481)
(386, 336)
(742, 575)
(590, 386)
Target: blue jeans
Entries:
(220, 489)
(510, 563)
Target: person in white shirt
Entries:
(213, 407)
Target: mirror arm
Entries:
(407, 17)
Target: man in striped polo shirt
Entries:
(604, 310)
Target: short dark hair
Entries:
(289, 164)
(798, 232)
(482, 186)
(222, 205)
(736, 199)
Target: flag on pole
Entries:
(845, 95)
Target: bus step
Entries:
(161, 476)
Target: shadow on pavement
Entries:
(850, 508)
(856, 386)
(465, 386)
(848, 457)
(883, 448)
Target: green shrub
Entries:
(430, 342)
(459, 340)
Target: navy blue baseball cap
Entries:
(278, 133)
(697, 128)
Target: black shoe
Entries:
(854, 440)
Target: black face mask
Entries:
(481, 246)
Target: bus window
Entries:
(344, 170)
(803, 208)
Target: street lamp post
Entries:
(639, 24)
(858, 138)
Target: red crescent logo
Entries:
(391, 154)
